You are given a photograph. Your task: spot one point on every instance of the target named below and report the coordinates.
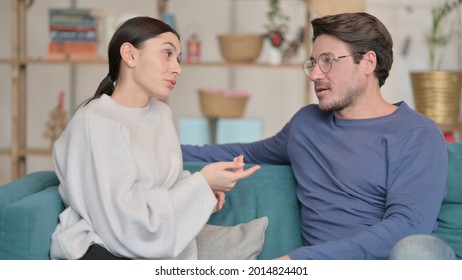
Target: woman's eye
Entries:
(168, 53)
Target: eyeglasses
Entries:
(324, 61)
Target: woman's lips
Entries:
(172, 83)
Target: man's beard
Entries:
(337, 105)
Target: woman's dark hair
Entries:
(134, 31)
(362, 32)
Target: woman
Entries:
(120, 164)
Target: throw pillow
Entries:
(240, 242)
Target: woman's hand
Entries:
(220, 196)
(223, 176)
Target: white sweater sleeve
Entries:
(97, 164)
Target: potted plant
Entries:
(276, 28)
(439, 37)
(436, 92)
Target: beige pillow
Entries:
(240, 242)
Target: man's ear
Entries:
(126, 52)
(371, 62)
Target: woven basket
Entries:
(240, 47)
(438, 94)
(222, 106)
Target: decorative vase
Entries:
(437, 94)
(275, 56)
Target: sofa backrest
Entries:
(270, 192)
(450, 216)
(27, 222)
(27, 185)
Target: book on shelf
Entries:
(73, 33)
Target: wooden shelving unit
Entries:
(30, 61)
(19, 61)
(240, 65)
(451, 128)
(19, 75)
(4, 152)
(18, 151)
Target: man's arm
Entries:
(272, 150)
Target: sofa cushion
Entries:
(239, 242)
(26, 225)
(26, 185)
(270, 192)
(450, 216)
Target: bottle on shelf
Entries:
(193, 48)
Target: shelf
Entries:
(5, 61)
(223, 64)
(27, 152)
(35, 152)
(451, 128)
(5, 152)
(240, 64)
(64, 61)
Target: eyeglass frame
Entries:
(309, 69)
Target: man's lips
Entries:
(320, 90)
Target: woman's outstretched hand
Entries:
(223, 176)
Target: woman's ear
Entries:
(126, 52)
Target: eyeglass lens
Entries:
(324, 62)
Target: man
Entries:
(369, 173)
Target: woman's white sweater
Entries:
(122, 180)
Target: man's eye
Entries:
(326, 59)
(311, 64)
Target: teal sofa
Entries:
(29, 208)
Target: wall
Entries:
(276, 93)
